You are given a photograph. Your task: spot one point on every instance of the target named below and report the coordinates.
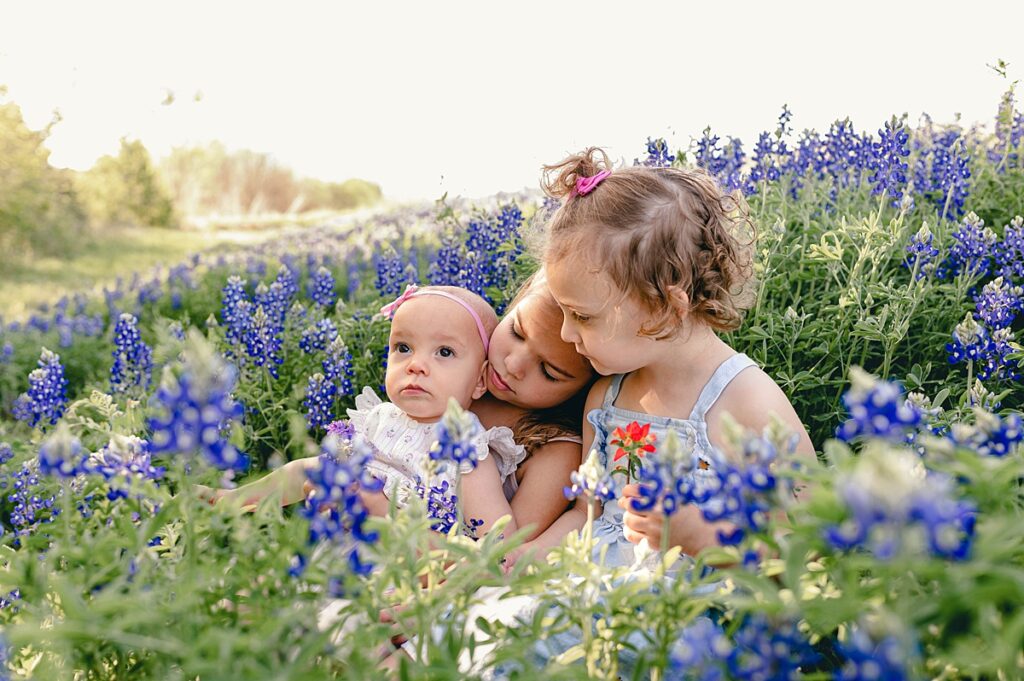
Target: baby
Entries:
(437, 350)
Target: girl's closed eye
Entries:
(581, 318)
(543, 368)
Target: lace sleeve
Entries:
(366, 401)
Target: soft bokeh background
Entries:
(471, 98)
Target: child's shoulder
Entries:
(750, 397)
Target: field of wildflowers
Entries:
(889, 273)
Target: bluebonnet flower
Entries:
(288, 278)
(878, 409)
(6, 452)
(318, 336)
(30, 507)
(337, 366)
(354, 280)
(319, 401)
(263, 341)
(890, 170)
(273, 300)
(442, 505)
(176, 330)
(889, 658)
(1009, 134)
(921, 253)
(971, 341)
(996, 364)
(235, 309)
(195, 406)
(591, 480)
(971, 251)
(321, 288)
(889, 495)
(947, 174)
(6, 352)
(701, 651)
(391, 273)
(61, 455)
(769, 155)
(658, 155)
(334, 509)
(999, 303)
(764, 650)
(991, 435)
(133, 360)
(455, 434)
(343, 430)
(666, 477)
(847, 154)
(1010, 252)
(44, 402)
(124, 460)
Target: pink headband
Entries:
(414, 291)
(585, 185)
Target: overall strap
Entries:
(725, 372)
(612, 393)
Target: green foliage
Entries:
(39, 213)
(125, 189)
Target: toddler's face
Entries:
(434, 353)
(602, 324)
(530, 365)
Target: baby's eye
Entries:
(402, 347)
(446, 352)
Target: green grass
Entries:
(100, 259)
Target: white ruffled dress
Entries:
(402, 445)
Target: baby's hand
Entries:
(524, 553)
(209, 494)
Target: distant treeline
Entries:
(43, 209)
(211, 180)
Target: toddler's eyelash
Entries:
(580, 318)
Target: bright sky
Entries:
(473, 97)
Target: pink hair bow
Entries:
(389, 309)
(585, 185)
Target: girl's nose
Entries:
(568, 331)
(515, 363)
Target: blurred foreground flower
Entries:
(195, 406)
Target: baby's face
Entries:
(435, 352)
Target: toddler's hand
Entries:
(209, 494)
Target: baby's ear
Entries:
(481, 383)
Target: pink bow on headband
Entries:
(389, 309)
(585, 185)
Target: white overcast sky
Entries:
(472, 97)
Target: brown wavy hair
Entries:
(654, 228)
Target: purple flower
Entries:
(868, 659)
(890, 170)
(263, 341)
(321, 288)
(235, 309)
(44, 402)
(334, 508)
(319, 401)
(766, 650)
(1010, 253)
(971, 251)
(971, 341)
(195, 407)
(318, 336)
(133, 360)
(591, 480)
(658, 155)
(878, 409)
(999, 303)
(455, 434)
(921, 253)
(701, 651)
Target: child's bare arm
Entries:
(287, 481)
(540, 499)
(483, 497)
